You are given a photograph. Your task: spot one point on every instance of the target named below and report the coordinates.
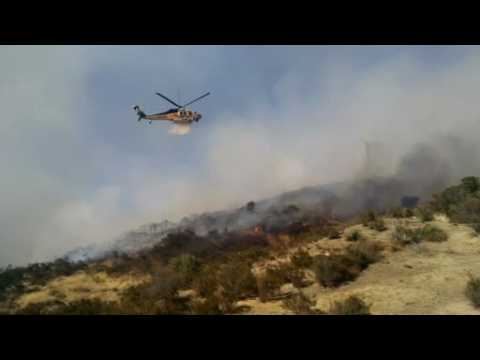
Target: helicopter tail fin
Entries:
(140, 113)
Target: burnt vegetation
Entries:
(210, 272)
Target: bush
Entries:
(405, 236)
(433, 234)
(373, 221)
(237, 281)
(425, 214)
(460, 202)
(205, 283)
(401, 213)
(354, 236)
(467, 212)
(332, 271)
(299, 304)
(275, 277)
(471, 184)
(353, 305)
(301, 259)
(368, 217)
(363, 253)
(473, 291)
(378, 225)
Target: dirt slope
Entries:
(429, 278)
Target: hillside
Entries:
(283, 258)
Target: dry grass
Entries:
(81, 285)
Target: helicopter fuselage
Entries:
(183, 117)
(178, 115)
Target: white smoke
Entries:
(177, 129)
(301, 126)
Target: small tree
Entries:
(471, 184)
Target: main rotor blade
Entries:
(200, 97)
(170, 101)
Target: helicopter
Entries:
(178, 115)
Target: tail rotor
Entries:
(140, 113)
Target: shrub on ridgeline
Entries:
(402, 212)
(353, 305)
(368, 217)
(373, 221)
(405, 236)
(460, 202)
(378, 224)
(471, 184)
(467, 212)
(432, 234)
(425, 214)
(355, 235)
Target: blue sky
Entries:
(78, 168)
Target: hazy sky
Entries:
(77, 168)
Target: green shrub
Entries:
(205, 283)
(301, 305)
(471, 184)
(378, 224)
(460, 202)
(354, 236)
(237, 281)
(353, 305)
(409, 213)
(332, 271)
(373, 221)
(433, 234)
(363, 253)
(405, 236)
(425, 214)
(368, 217)
(467, 212)
(301, 259)
(473, 291)
(275, 277)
